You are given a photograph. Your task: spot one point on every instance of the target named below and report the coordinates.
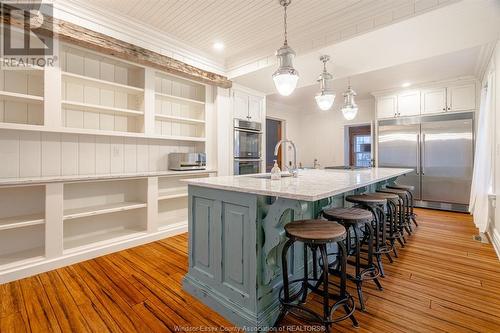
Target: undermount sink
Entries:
(268, 175)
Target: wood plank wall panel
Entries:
(41, 154)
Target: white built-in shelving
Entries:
(86, 146)
(179, 107)
(173, 200)
(21, 96)
(101, 93)
(103, 211)
(22, 226)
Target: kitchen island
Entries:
(236, 234)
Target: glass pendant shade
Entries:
(350, 108)
(286, 77)
(325, 101)
(349, 112)
(326, 96)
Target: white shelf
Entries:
(180, 119)
(178, 98)
(21, 221)
(24, 257)
(167, 195)
(102, 83)
(179, 138)
(17, 97)
(76, 130)
(101, 108)
(70, 214)
(100, 238)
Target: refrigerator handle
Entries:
(418, 154)
(423, 154)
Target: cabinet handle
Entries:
(444, 109)
(449, 108)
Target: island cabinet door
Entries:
(222, 241)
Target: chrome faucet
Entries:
(294, 171)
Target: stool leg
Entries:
(359, 280)
(306, 275)
(368, 227)
(326, 296)
(343, 279)
(286, 287)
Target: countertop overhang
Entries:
(310, 185)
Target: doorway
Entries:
(360, 146)
(274, 133)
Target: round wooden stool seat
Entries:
(315, 231)
(365, 199)
(388, 196)
(348, 215)
(402, 187)
(401, 193)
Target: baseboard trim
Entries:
(495, 240)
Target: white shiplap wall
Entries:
(42, 154)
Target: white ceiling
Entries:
(252, 29)
(456, 64)
(463, 25)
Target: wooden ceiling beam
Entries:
(89, 39)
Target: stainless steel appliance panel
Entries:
(247, 139)
(447, 160)
(247, 166)
(398, 146)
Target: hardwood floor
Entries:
(443, 281)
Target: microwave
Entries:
(187, 161)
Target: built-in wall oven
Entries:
(247, 147)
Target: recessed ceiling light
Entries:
(406, 85)
(218, 46)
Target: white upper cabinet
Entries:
(255, 108)
(433, 100)
(447, 96)
(408, 104)
(387, 106)
(461, 97)
(247, 107)
(240, 105)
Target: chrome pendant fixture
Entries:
(326, 96)
(286, 77)
(350, 108)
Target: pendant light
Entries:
(350, 108)
(285, 78)
(326, 96)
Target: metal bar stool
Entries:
(376, 206)
(353, 219)
(409, 189)
(315, 235)
(405, 211)
(393, 219)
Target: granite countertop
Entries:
(311, 185)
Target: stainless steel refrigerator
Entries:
(439, 148)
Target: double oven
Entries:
(247, 147)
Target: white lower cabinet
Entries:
(42, 229)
